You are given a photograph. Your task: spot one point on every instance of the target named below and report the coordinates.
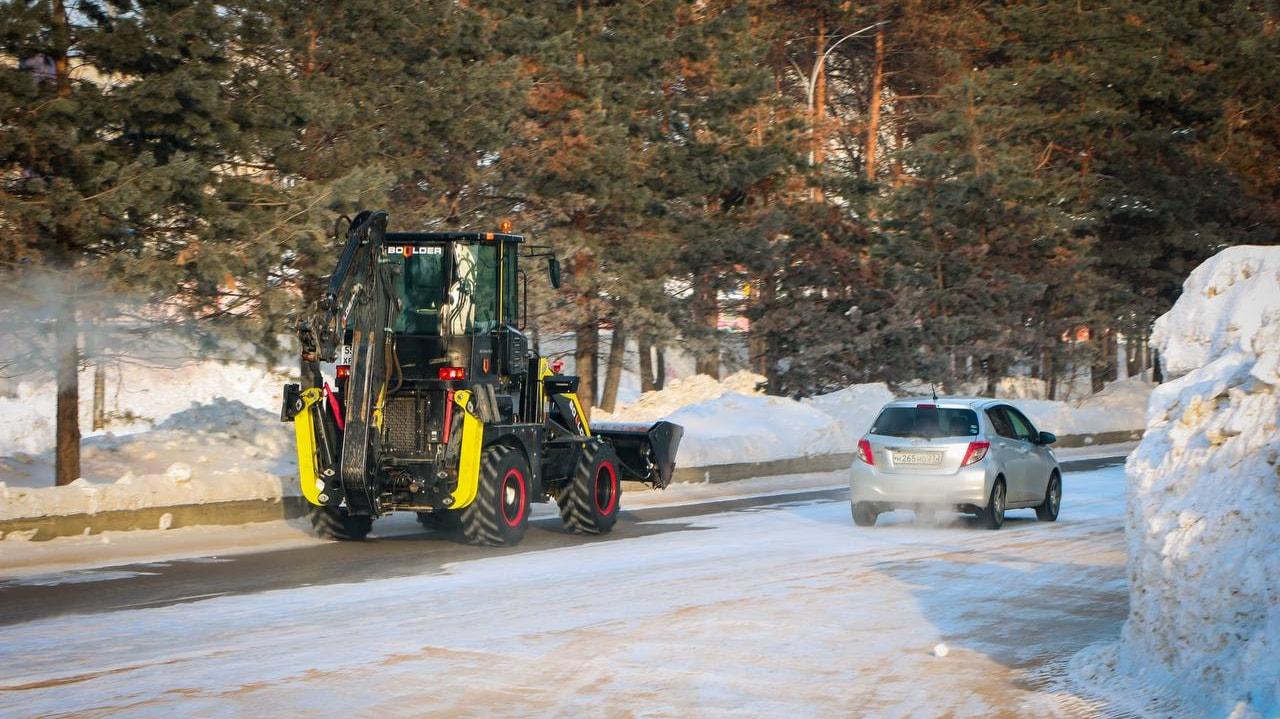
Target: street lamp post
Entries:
(811, 87)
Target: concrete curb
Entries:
(242, 511)
(291, 507)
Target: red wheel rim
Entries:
(513, 498)
(606, 488)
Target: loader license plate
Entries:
(344, 355)
(917, 459)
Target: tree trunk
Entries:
(705, 308)
(660, 375)
(817, 113)
(757, 341)
(1104, 359)
(647, 380)
(67, 443)
(613, 372)
(587, 336)
(586, 351)
(99, 396)
(873, 113)
(1050, 371)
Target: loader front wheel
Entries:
(499, 515)
(590, 503)
(441, 520)
(337, 523)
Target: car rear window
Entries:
(926, 421)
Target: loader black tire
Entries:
(589, 504)
(499, 515)
(336, 523)
(441, 520)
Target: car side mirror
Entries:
(1047, 438)
(553, 271)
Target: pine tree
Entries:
(117, 116)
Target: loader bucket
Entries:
(645, 454)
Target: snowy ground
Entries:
(778, 610)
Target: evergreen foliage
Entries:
(889, 191)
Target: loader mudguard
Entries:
(469, 457)
(304, 429)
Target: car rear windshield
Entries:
(926, 421)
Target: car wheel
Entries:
(864, 514)
(1047, 511)
(993, 515)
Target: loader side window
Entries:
(510, 300)
(422, 292)
(483, 261)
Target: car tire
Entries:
(864, 513)
(1047, 511)
(993, 514)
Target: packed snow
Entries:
(1203, 508)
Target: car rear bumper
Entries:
(968, 486)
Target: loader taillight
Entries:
(453, 373)
(343, 371)
(864, 451)
(977, 450)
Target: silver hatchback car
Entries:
(974, 455)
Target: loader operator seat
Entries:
(458, 311)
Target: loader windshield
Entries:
(448, 288)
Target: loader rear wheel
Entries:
(499, 515)
(590, 503)
(337, 523)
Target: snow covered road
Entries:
(776, 608)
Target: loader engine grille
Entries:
(405, 421)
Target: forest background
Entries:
(833, 192)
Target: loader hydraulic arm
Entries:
(360, 298)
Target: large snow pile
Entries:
(1203, 524)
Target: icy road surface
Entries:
(779, 607)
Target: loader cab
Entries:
(453, 285)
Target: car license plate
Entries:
(917, 459)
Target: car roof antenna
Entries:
(934, 388)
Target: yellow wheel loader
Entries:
(438, 404)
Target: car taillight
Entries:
(977, 450)
(452, 373)
(343, 371)
(864, 451)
